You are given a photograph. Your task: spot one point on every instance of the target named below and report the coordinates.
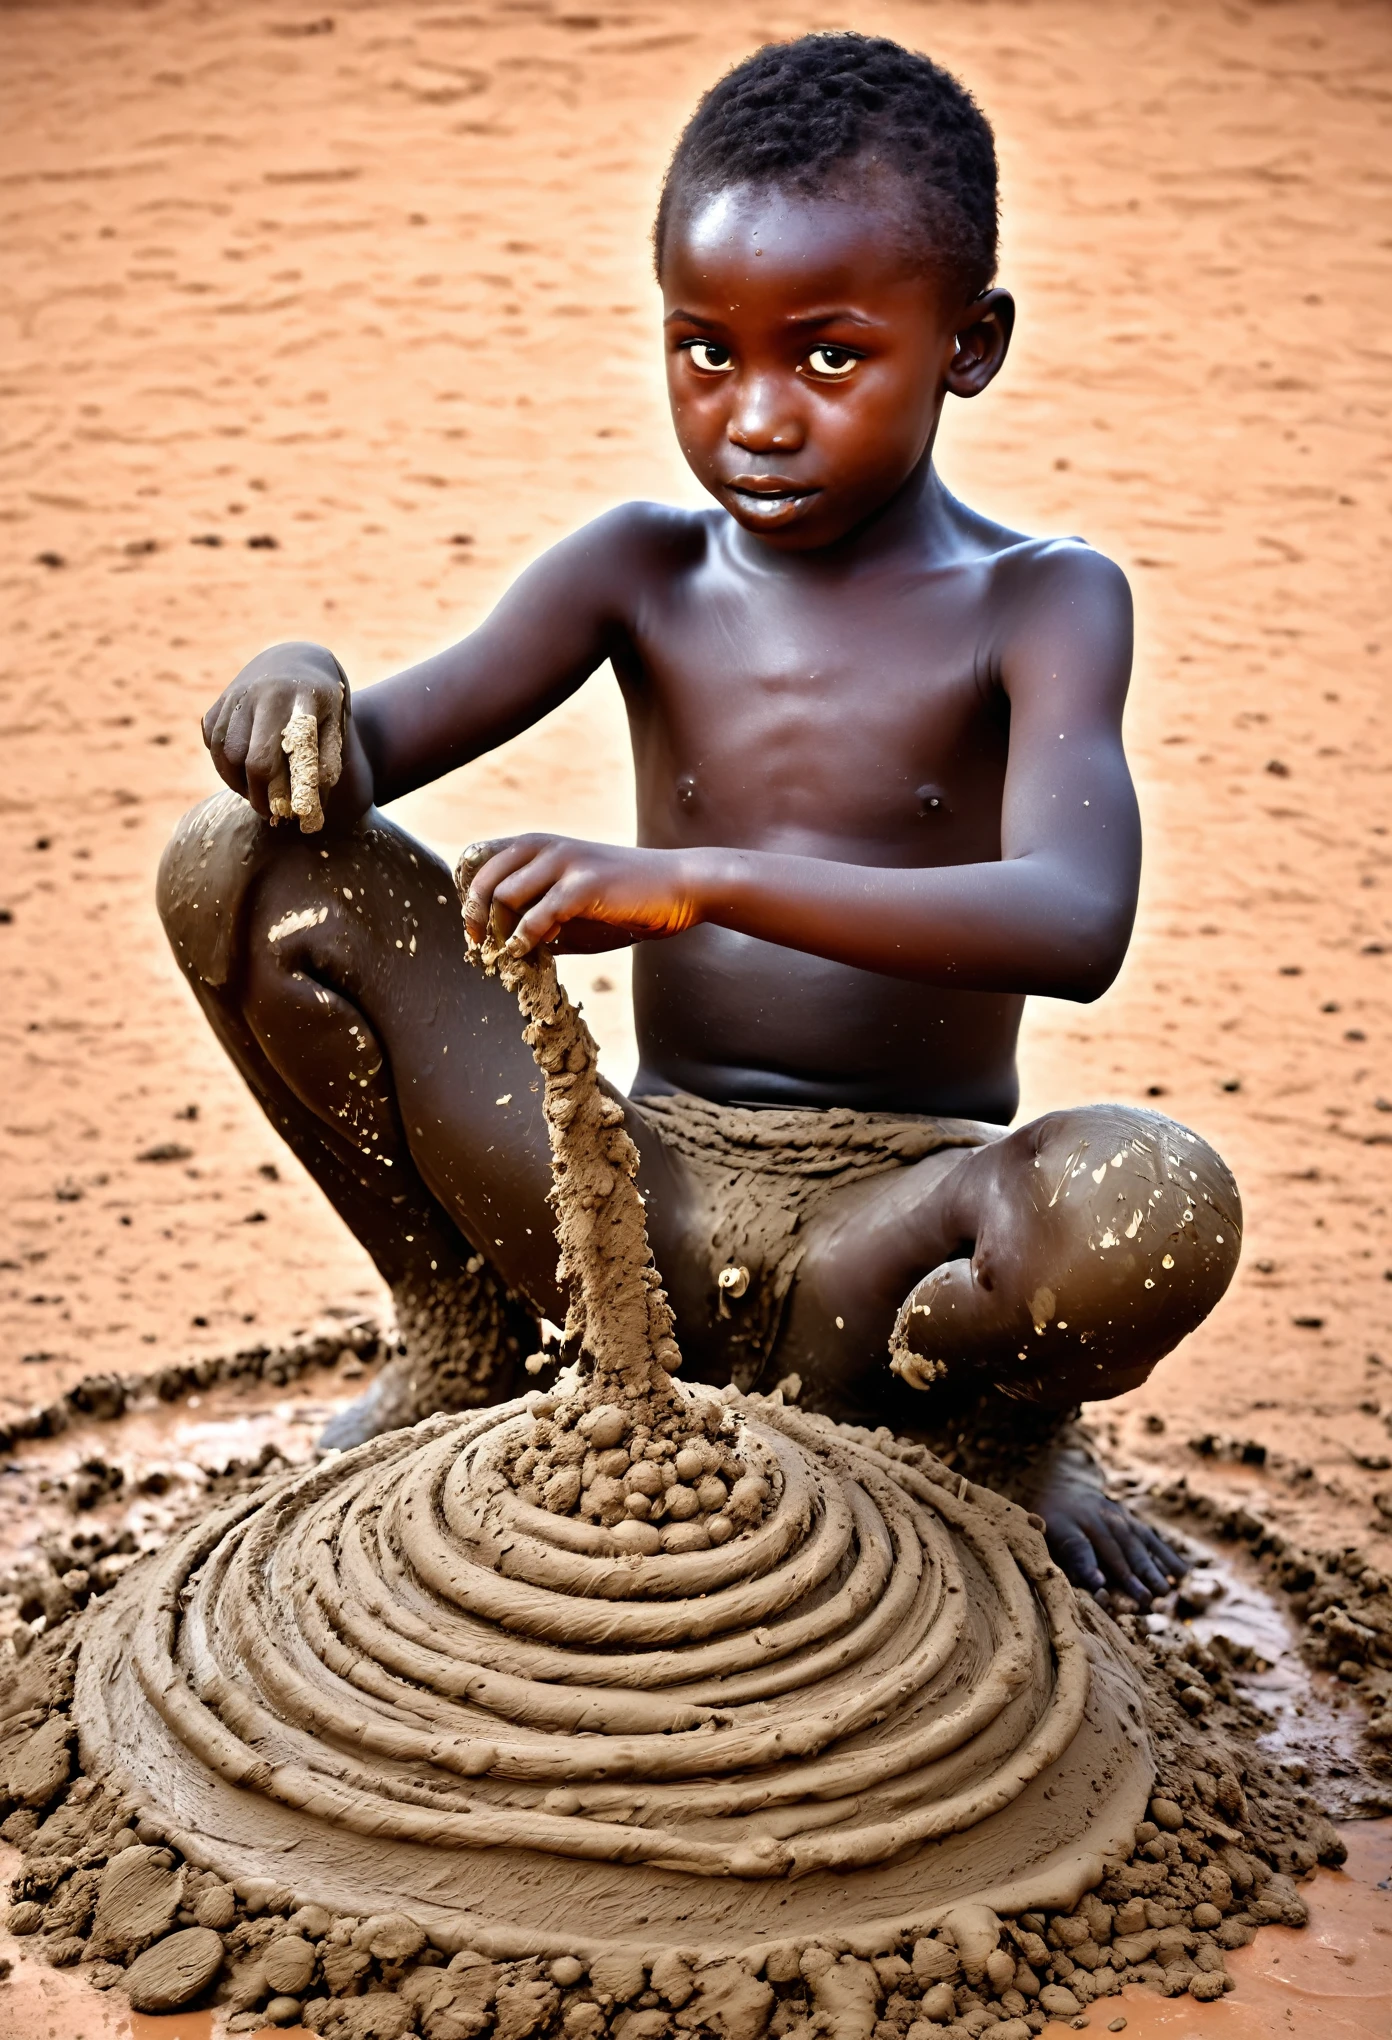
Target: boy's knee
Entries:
(1140, 1229)
(1103, 1236)
(208, 866)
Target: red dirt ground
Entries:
(372, 287)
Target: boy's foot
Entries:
(1096, 1541)
(466, 1336)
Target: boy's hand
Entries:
(1099, 1544)
(575, 897)
(277, 733)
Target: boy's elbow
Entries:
(1093, 959)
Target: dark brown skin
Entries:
(882, 797)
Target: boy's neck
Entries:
(921, 524)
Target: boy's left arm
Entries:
(1052, 915)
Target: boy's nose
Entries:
(762, 419)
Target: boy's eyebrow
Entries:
(842, 315)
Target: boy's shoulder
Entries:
(657, 531)
(1037, 563)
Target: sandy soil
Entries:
(367, 303)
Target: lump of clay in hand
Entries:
(175, 1971)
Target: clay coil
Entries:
(395, 1647)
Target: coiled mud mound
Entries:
(393, 1683)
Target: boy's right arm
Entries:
(559, 621)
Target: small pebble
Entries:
(567, 1972)
(282, 2011)
(682, 1504)
(719, 1529)
(632, 1535)
(1117, 2025)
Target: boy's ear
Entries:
(983, 341)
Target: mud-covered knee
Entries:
(1143, 1222)
(1104, 1236)
(208, 867)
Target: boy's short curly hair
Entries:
(798, 114)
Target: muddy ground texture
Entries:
(1236, 1823)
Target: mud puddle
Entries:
(98, 1495)
(1316, 1720)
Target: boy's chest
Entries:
(865, 716)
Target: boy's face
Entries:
(808, 354)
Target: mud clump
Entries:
(661, 1481)
(620, 1446)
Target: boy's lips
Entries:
(767, 496)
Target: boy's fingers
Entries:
(1144, 1568)
(214, 719)
(1114, 1563)
(1075, 1556)
(1169, 1560)
(477, 875)
(537, 925)
(493, 879)
(260, 753)
(331, 741)
(234, 746)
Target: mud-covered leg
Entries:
(262, 928)
(1100, 1238)
(1063, 1261)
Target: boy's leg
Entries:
(334, 972)
(1057, 1264)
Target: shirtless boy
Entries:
(882, 797)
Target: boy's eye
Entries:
(835, 362)
(710, 355)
